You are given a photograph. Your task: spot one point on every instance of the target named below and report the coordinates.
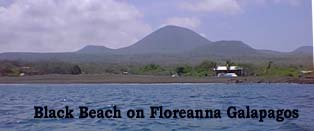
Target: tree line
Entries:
(16, 68)
(202, 69)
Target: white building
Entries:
(231, 71)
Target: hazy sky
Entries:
(68, 25)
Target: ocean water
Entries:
(17, 105)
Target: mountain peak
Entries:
(93, 49)
(169, 39)
(173, 27)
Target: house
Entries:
(228, 71)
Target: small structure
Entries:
(306, 72)
(174, 75)
(228, 71)
(22, 74)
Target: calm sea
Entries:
(17, 105)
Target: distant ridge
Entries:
(304, 50)
(171, 44)
(225, 49)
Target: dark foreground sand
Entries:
(110, 78)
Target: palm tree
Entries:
(268, 66)
(228, 65)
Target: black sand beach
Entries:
(110, 78)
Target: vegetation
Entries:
(203, 69)
(282, 71)
(14, 68)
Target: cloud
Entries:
(229, 6)
(67, 25)
(267, 2)
(187, 22)
(290, 2)
(222, 6)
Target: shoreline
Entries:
(143, 79)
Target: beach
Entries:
(117, 78)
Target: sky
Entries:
(69, 25)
